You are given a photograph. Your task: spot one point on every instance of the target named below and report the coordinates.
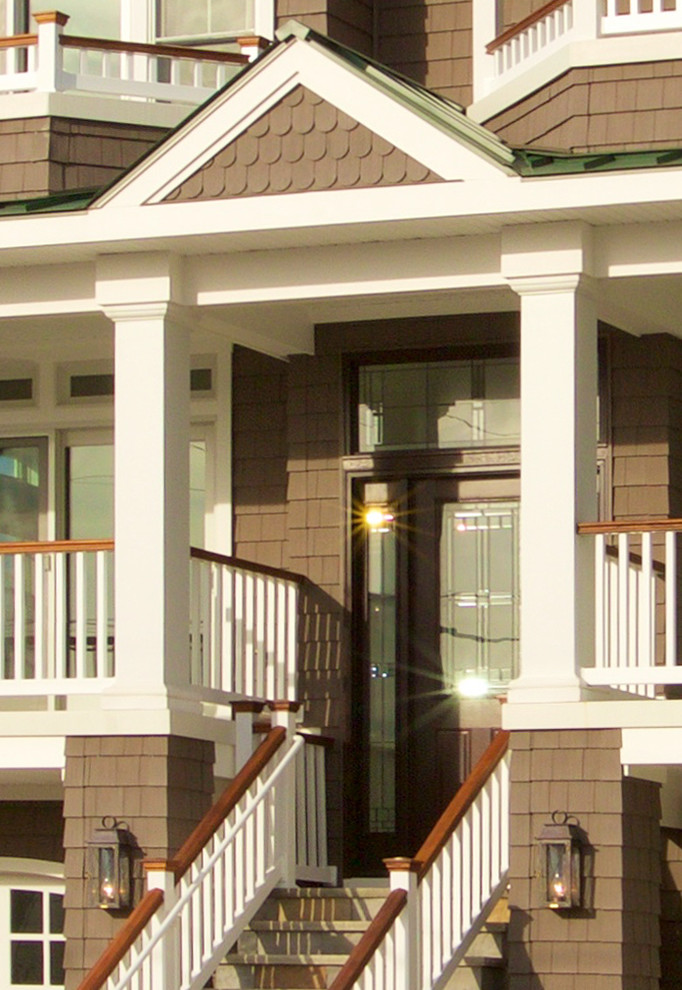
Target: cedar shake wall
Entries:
(316, 536)
(671, 909)
(514, 11)
(613, 943)
(646, 414)
(349, 21)
(161, 786)
(32, 830)
(42, 155)
(259, 451)
(604, 108)
(429, 41)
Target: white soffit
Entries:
(293, 64)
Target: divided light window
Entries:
(438, 405)
(36, 940)
(201, 19)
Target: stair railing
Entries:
(446, 891)
(177, 935)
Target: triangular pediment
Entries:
(310, 116)
(304, 143)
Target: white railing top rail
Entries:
(115, 954)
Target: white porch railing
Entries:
(451, 886)
(560, 22)
(56, 617)
(636, 585)
(243, 627)
(51, 61)
(221, 876)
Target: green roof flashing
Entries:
(531, 163)
(78, 199)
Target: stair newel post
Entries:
(404, 875)
(164, 972)
(284, 714)
(244, 713)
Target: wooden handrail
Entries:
(527, 22)
(19, 41)
(227, 801)
(138, 48)
(122, 942)
(636, 526)
(247, 565)
(460, 804)
(56, 546)
(370, 941)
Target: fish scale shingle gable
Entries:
(303, 143)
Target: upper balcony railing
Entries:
(636, 606)
(51, 61)
(559, 23)
(57, 626)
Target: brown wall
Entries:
(514, 11)
(428, 40)
(32, 830)
(41, 155)
(614, 943)
(160, 786)
(646, 410)
(259, 438)
(671, 909)
(605, 108)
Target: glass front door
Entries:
(438, 564)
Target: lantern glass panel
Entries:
(124, 876)
(557, 881)
(108, 893)
(576, 873)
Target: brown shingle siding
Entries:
(605, 108)
(303, 143)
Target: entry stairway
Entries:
(231, 885)
(301, 939)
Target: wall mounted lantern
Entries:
(379, 518)
(109, 863)
(562, 843)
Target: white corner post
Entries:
(49, 69)
(165, 967)
(284, 714)
(485, 28)
(586, 18)
(151, 475)
(403, 873)
(558, 460)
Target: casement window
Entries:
(31, 928)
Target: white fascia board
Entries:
(642, 746)
(186, 226)
(49, 290)
(611, 714)
(639, 249)
(19, 106)
(32, 752)
(249, 97)
(653, 47)
(346, 270)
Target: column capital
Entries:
(141, 311)
(547, 285)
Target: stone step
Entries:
(286, 973)
(301, 937)
(323, 904)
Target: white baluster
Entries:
(600, 600)
(645, 654)
(623, 596)
(671, 599)
(61, 612)
(101, 614)
(81, 606)
(19, 618)
(39, 617)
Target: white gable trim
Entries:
(295, 63)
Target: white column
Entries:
(219, 523)
(485, 28)
(587, 18)
(558, 485)
(151, 497)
